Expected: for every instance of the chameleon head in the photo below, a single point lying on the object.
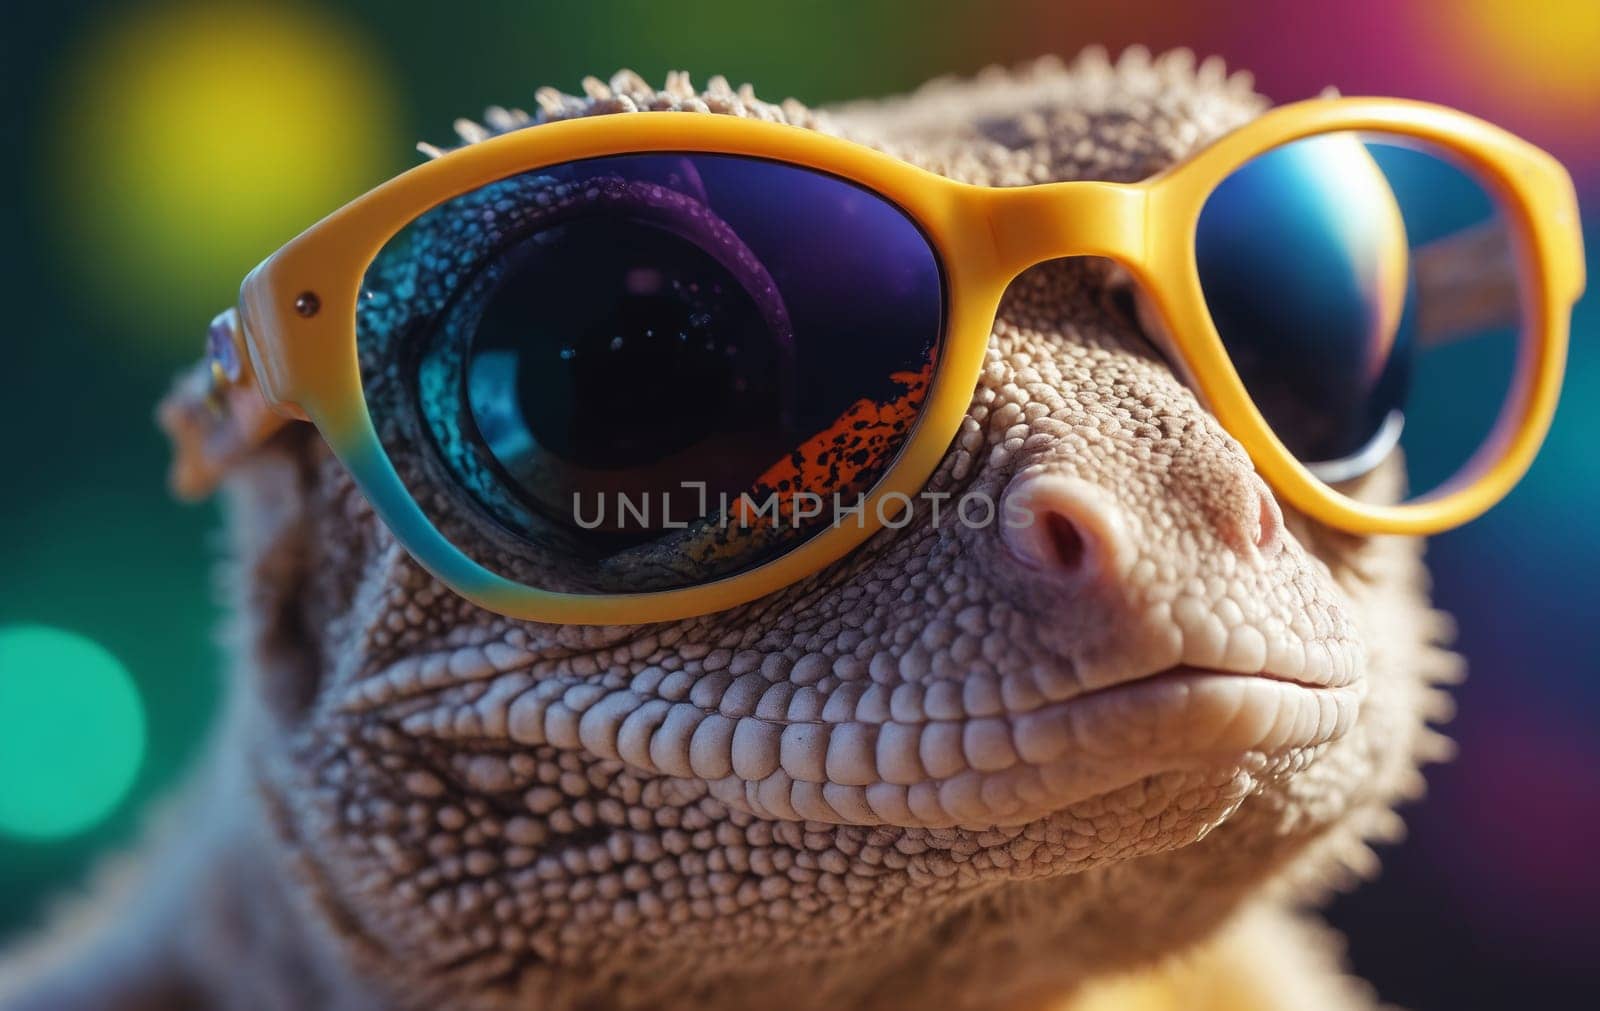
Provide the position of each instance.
(968, 758)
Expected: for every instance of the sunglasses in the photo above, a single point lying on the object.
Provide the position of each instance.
(638, 368)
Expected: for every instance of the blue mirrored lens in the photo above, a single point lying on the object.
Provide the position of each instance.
(1330, 266)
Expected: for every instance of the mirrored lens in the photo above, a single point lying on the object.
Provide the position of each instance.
(1366, 291)
(648, 371)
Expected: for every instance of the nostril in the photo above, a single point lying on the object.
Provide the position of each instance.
(1065, 541)
(1066, 526)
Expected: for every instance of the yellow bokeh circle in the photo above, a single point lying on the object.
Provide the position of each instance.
(195, 139)
(1547, 54)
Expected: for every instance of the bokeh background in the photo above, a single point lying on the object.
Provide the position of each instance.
(156, 151)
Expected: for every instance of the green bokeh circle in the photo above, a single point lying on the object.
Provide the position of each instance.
(72, 732)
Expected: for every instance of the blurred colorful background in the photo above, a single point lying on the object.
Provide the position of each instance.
(157, 151)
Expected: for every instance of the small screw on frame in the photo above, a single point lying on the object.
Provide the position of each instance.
(307, 304)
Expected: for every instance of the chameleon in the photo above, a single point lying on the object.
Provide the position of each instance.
(976, 768)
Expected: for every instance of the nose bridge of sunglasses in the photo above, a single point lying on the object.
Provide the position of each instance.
(1032, 224)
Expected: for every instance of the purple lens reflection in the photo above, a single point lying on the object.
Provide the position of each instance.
(673, 329)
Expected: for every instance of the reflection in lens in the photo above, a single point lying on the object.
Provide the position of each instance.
(1364, 290)
(612, 360)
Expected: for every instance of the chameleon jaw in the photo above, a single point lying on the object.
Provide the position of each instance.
(919, 756)
(1023, 768)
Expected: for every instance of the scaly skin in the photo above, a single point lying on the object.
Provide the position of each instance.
(939, 771)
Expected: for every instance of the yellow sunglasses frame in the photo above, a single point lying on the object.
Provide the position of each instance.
(297, 314)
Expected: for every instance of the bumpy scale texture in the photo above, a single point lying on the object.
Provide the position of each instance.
(904, 782)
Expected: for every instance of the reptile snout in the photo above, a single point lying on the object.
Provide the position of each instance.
(1078, 532)
(1066, 528)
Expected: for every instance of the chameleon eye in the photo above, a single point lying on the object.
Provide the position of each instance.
(603, 356)
(1364, 290)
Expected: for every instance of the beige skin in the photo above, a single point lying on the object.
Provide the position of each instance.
(976, 768)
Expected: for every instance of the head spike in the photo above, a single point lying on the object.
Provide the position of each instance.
(469, 131)
(550, 101)
(679, 85)
(626, 82)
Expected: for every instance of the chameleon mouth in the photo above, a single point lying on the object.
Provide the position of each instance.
(1021, 768)
(912, 755)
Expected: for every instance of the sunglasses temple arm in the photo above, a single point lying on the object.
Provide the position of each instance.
(215, 415)
(1466, 284)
